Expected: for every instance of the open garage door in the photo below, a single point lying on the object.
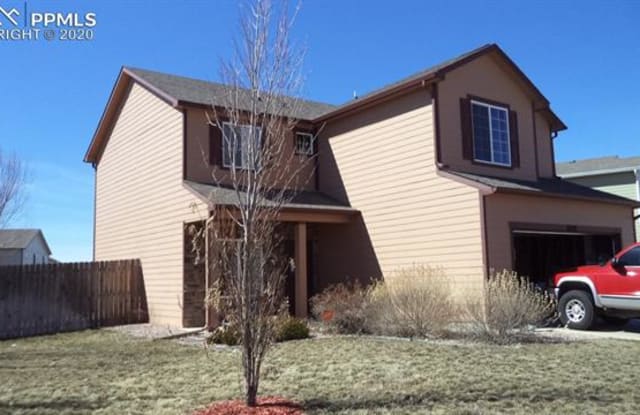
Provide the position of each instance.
(539, 255)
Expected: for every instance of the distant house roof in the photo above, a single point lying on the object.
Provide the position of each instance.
(595, 166)
(551, 187)
(20, 238)
(308, 200)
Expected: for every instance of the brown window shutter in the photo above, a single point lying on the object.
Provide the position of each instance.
(215, 146)
(467, 133)
(513, 138)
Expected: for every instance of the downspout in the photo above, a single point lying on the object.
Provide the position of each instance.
(636, 215)
(95, 199)
(554, 134)
(636, 171)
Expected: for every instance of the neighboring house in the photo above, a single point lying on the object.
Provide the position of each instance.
(619, 176)
(23, 247)
(450, 167)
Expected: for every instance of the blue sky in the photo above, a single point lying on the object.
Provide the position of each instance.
(584, 56)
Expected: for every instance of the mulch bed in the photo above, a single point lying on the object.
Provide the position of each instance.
(266, 406)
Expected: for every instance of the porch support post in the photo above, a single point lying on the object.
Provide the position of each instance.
(301, 269)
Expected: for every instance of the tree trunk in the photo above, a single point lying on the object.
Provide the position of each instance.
(252, 394)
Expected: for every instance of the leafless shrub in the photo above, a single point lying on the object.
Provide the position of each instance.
(414, 302)
(344, 308)
(511, 308)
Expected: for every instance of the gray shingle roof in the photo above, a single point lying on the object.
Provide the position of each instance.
(299, 199)
(552, 187)
(18, 238)
(592, 166)
(201, 92)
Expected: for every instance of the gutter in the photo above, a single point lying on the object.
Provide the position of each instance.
(483, 188)
(488, 190)
(636, 171)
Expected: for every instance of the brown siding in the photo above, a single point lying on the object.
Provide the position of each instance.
(503, 209)
(486, 78)
(382, 161)
(545, 150)
(198, 163)
(141, 203)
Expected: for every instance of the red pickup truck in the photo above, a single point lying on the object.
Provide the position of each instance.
(611, 290)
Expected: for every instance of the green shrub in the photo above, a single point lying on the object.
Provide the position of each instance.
(343, 307)
(414, 302)
(225, 334)
(511, 308)
(291, 328)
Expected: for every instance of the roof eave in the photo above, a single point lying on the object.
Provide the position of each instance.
(360, 104)
(484, 189)
(111, 110)
(627, 202)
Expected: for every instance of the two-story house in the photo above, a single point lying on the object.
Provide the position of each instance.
(451, 167)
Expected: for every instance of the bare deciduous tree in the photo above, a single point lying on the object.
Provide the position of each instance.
(12, 183)
(245, 265)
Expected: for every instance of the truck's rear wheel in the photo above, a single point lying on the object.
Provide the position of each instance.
(576, 310)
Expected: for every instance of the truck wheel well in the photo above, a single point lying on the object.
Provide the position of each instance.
(574, 285)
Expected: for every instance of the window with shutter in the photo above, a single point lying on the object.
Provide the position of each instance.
(215, 146)
(241, 146)
(490, 133)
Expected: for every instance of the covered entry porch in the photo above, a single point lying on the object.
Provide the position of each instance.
(299, 222)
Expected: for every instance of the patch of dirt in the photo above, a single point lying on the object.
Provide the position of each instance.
(266, 406)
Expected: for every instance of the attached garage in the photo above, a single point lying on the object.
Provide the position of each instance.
(541, 252)
(538, 236)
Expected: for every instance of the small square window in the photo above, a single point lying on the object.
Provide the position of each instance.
(305, 144)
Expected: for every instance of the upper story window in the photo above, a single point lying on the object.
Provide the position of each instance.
(491, 142)
(241, 146)
(489, 133)
(305, 144)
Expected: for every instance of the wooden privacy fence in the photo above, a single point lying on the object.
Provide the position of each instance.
(52, 298)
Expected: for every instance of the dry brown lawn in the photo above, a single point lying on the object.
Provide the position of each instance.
(103, 372)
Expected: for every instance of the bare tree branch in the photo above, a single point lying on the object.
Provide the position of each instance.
(13, 176)
(245, 261)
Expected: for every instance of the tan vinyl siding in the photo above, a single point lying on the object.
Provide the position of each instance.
(621, 184)
(503, 209)
(382, 162)
(491, 79)
(141, 203)
(200, 170)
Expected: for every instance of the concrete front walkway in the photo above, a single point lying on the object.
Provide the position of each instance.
(153, 331)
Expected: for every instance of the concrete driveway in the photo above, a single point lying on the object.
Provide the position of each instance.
(600, 332)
